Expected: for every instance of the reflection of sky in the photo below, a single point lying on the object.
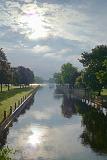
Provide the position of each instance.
(43, 134)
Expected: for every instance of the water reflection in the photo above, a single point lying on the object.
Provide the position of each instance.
(94, 122)
(36, 136)
(68, 106)
(43, 133)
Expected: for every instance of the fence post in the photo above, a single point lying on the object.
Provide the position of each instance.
(21, 100)
(4, 115)
(15, 106)
(10, 109)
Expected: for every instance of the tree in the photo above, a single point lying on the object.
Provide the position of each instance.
(95, 68)
(69, 74)
(5, 71)
(80, 82)
(23, 75)
(57, 78)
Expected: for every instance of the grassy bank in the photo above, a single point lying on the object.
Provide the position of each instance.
(8, 98)
(104, 92)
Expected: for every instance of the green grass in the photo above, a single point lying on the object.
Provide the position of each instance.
(8, 98)
(5, 88)
(104, 92)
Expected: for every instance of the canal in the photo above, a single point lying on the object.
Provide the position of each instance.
(57, 127)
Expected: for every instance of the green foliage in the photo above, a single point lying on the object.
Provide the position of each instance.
(5, 69)
(57, 78)
(6, 153)
(2, 55)
(23, 75)
(18, 75)
(67, 75)
(78, 82)
(95, 63)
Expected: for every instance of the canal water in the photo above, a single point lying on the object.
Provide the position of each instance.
(57, 127)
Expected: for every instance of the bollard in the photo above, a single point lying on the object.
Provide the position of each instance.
(4, 115)
(15, 106)
(21, 100)
(10, 109)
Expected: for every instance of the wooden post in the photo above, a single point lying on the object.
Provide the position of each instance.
(10, 109)
(4, 115)
(15, 105)
(21, 100)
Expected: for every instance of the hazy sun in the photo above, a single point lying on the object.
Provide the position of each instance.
(33, 23)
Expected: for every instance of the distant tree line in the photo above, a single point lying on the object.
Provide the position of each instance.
(94, 74)
(39, 79)
(13, 75)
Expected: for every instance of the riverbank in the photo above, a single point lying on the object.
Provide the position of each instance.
(9, 98)
(55, 120)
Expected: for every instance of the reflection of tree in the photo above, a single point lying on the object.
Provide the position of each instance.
(58, 90)
(68, 107)
(57, 93)
(95, 129)
(3, 137)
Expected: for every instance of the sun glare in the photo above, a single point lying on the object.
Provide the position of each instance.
(33, 23)
(37, 137)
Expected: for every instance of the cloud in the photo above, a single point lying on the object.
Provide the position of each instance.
(38, 20)
(41, 49)
(70, 20)
(43, 20)
(49, 33)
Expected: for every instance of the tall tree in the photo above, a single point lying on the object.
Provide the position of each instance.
(23, 75)
(4, 69)
(57, 78)
(95, 67)
(69, 74)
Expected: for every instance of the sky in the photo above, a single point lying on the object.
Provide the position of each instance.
(44, 34)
